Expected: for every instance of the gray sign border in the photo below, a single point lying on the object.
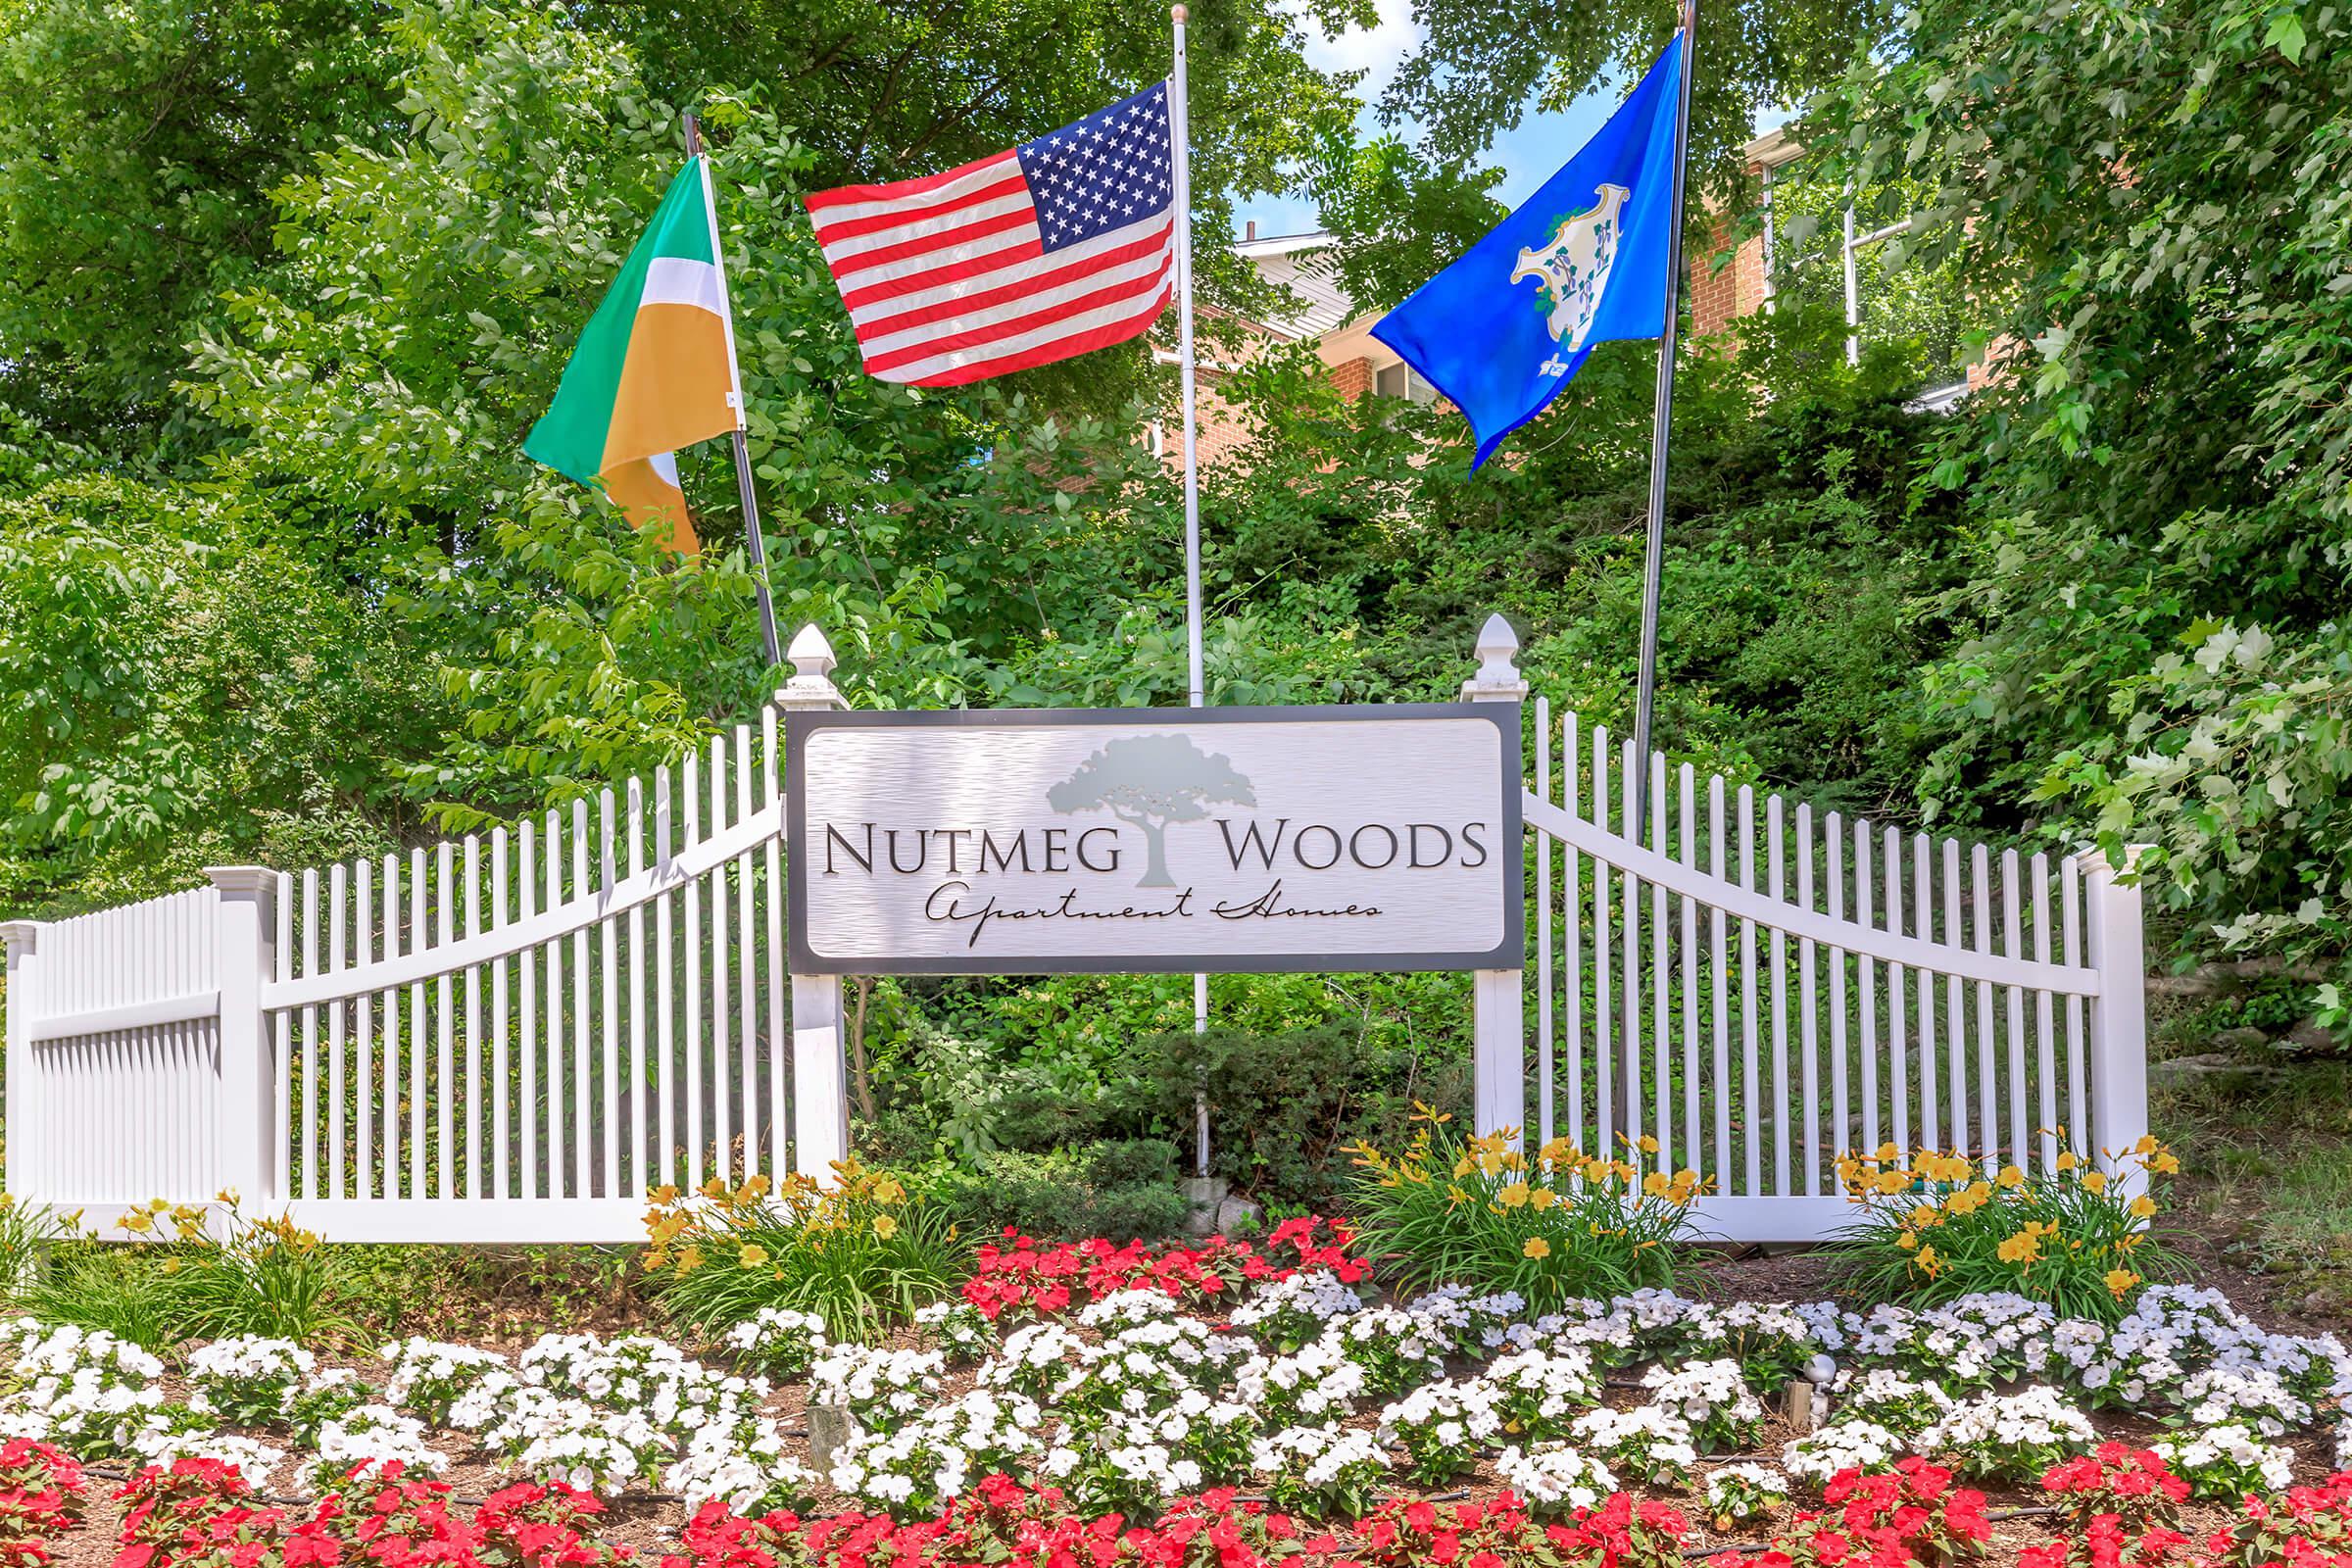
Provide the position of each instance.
(1509, 858)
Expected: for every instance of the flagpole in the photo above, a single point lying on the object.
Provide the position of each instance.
(1180, 137)
(754, 542)
(1662, 416)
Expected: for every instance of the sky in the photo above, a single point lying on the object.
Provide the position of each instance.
(1527, 154)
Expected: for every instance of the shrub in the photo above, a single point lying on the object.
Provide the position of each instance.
(106, 1287)
(863, 1255)
(41, 1497)
(1282, 1104)
(1550, 1226)
(1120, 1188)
(1933, 1229)
(2134, 1486)
(1912, 1514)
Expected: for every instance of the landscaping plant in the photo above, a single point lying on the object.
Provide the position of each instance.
(865, 1255)
(1934, 1228)
(1550, 1226)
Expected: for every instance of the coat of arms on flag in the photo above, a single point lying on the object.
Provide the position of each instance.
(1595, 239)
(1052, 249)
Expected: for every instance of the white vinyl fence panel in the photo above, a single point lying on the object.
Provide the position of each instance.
(1761, 991)
(520, 1036)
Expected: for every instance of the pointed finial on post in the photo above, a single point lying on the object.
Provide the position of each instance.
(812, 685)
(1498, 679)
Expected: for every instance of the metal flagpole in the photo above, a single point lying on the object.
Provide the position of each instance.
(754, 542)
(1662, 416)
(1180, 136)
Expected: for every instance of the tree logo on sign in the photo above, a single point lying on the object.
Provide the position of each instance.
(1151, 781)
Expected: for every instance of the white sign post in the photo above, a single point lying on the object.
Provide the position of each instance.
(1062, 841)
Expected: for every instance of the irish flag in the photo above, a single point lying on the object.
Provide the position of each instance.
(655, 370)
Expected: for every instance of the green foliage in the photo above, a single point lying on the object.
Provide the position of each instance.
(120, 1287)
(1282, 1107)
(196, 1278)
(1123, 1189)
(1930, 1228)
(2151, 634)
(863, 1254)
(1552, 1226)
(179, 687)
(139, 145)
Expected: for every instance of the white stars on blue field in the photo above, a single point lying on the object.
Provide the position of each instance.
(1112, 169)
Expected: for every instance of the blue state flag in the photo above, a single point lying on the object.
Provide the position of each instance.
(1582, 262)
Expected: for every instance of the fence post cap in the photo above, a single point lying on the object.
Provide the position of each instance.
(243, 881)
(813, 662)
(2094, 859)
(1498, 679)
(22, 936)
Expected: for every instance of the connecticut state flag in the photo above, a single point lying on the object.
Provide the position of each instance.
(1582, 262)
(655, 369)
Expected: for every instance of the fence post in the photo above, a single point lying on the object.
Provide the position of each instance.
(2119, 1031)
(245, 955)
(1498, 1029)
(820, 1099)
(24, 939)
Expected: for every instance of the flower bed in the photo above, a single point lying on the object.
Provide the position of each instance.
(1115, 1408)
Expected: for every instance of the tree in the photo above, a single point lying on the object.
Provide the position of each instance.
(1150, 781)
(140, 140)
(2155, 643)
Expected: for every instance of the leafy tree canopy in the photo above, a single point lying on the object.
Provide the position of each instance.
(2155, 642)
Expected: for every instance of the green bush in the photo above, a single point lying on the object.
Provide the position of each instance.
(1283, 1107)
(119, 1287)
(865, 1255)
(1123, 1189)
(1551, 1226)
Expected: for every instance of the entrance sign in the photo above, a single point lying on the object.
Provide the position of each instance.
(1084, 840)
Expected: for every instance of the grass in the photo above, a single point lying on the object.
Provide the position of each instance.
(2268, 1164)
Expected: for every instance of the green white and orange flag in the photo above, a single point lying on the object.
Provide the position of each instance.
(655, 369)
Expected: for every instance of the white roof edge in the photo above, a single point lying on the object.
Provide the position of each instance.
(1773, 149)
(1281, 244)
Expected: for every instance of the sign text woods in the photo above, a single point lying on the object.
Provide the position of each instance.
(1129, 839)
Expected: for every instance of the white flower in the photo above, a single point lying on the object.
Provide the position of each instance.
(429, 1377)
(1645, 1442)
(2016, 1435)
(1887, 1399)
(778, 1341)
(1737, 1491)
(374, 1434)
(2229, 1462)
(1554, 1478)
(1841, 1445)
(745, 1468)
(1711, 1398)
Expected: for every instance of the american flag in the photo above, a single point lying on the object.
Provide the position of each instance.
(1059, 247)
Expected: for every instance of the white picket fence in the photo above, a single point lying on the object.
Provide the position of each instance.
(517, 1037)
(1761, 991)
